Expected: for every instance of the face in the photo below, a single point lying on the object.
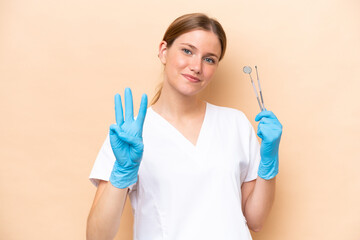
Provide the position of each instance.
(191, 61)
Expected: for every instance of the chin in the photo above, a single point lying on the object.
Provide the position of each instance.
(190, 91)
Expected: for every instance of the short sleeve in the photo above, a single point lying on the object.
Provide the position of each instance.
(254, 155)
(104, 164)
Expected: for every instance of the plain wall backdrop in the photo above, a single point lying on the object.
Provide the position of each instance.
(61, 63)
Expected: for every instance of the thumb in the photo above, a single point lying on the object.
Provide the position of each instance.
(131, 140)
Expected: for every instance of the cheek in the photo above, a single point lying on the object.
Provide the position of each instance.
(177, 61)
(180, 63)
(210, 71)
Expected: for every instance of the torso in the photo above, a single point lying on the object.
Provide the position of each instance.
(204, 179)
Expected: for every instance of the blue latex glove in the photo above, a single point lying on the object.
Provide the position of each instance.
(269, 130)
(126, 141)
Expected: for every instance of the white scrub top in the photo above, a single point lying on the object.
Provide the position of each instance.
(187, 191)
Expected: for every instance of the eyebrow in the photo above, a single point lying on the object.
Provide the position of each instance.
(193, 47)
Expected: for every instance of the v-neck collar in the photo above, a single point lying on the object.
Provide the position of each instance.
(183, 138)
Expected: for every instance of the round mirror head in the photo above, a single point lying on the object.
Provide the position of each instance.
(247, 69)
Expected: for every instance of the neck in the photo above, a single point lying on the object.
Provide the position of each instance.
(174, 105)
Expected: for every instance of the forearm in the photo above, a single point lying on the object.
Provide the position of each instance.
(259, 203)
(104, 218)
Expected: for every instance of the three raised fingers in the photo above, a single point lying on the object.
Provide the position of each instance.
(129, 108)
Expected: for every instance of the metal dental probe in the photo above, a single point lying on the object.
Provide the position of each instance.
(261, 96)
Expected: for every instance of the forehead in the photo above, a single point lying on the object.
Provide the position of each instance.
(206, 41)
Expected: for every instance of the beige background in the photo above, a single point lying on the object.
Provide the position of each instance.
(61, 62)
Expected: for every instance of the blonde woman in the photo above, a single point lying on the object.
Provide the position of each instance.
(193, 170)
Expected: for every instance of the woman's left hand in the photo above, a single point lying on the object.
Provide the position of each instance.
(269, 130)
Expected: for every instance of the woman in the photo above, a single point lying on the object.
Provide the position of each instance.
(193, 170)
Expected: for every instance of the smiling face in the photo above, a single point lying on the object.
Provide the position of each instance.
(191, 61)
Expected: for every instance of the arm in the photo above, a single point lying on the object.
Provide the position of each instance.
(127, 145)
(258, 195)
(257, 200)
(105, 214)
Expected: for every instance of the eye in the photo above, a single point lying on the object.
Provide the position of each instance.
(210, 60)
(187, 51)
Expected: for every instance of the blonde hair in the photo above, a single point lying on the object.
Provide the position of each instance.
(187, 23)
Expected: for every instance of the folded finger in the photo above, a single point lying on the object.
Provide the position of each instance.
(265, 120)
(267, 114)
(259, 132)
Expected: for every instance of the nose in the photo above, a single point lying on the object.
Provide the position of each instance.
(195, 65)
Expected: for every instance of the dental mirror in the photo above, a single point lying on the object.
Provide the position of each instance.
(247, 69)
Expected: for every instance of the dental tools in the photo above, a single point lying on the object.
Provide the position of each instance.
(248, 70)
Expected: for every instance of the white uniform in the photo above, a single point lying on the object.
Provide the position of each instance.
(187, 192)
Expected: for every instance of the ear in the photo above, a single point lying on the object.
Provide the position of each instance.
(162, 51)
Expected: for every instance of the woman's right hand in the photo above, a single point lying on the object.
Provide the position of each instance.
(126, 141)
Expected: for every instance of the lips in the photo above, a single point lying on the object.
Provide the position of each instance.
(191, 78)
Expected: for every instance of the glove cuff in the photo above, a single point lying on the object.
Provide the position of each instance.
(123, 179)
(269, 168)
